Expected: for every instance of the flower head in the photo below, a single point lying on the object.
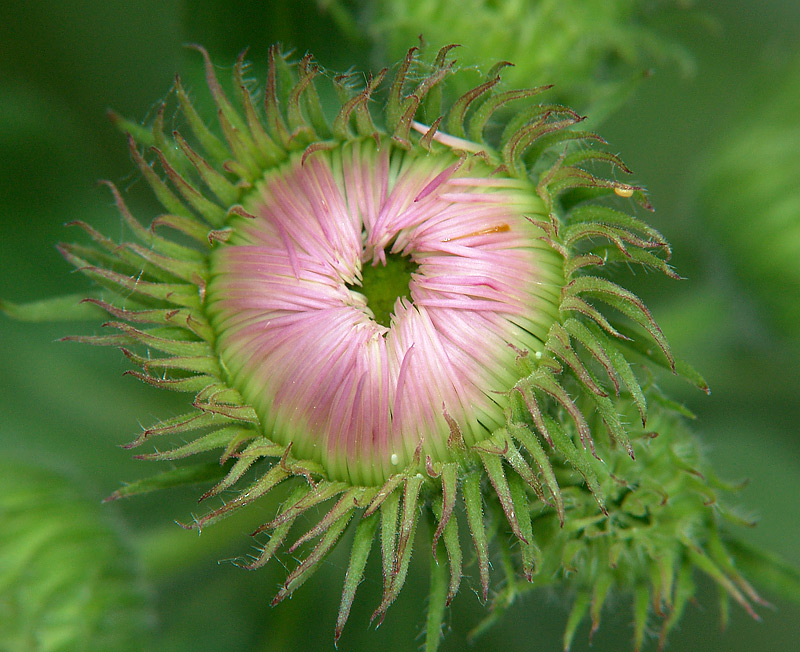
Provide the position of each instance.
(378, 318)
(361, 396)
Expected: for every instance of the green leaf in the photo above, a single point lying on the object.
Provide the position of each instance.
(67, 579)
(766, 569)
(578, 612)
(179, 477)
(66, 308)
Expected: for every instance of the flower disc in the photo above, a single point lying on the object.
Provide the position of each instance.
(302, 344)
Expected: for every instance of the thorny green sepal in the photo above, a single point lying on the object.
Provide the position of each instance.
(473, 502)
(280, 532)
(362, 543)
(312, 562)
(453, 547)
(437, 603)
(580, 607)
(766, 569)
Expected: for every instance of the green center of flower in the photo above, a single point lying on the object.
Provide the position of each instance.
(383, 285)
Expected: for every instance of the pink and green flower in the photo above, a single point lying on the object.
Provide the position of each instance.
(291, 300)
(392, 316)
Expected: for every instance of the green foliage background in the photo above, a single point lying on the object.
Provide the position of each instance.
(66, 407)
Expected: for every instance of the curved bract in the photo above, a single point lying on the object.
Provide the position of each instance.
(495, 361)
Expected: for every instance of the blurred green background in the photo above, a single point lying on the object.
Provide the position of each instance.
(693, 140)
